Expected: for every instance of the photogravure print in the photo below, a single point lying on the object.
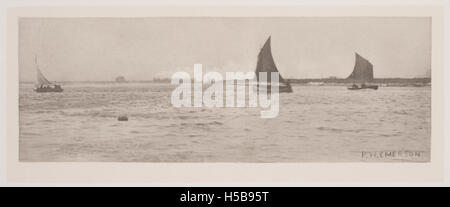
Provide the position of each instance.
(218, 89)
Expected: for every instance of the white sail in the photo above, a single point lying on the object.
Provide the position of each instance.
(41, 80)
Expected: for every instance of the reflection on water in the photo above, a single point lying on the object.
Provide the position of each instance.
(315, 124)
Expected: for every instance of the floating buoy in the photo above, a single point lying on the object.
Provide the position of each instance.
(122, 118)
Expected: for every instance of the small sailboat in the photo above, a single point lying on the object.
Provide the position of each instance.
(267, 64)
(43, 85)
(362, 74)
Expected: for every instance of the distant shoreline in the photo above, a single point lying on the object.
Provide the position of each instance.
(375, 80)
(326, 81)
(395, 82)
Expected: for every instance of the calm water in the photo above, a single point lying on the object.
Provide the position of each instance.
(315, 124)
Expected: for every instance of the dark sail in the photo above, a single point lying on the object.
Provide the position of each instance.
(363, 70)
(266, 63)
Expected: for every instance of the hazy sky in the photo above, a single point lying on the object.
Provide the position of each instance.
(79, 49)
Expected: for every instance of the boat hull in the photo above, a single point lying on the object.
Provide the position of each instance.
(48, 90)
(373, 87)
(285, 89)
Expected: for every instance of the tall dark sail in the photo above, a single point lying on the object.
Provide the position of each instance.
(363, 70)
(266, 63)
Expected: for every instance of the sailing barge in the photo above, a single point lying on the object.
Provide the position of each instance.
(362, 74)
(266, 64)
(43, 85)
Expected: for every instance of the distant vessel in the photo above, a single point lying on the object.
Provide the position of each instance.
(43, 85)
(267, 64)
(120, 79)
(362, 74)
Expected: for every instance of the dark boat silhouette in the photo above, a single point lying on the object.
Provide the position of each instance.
(362, 74)
(267, 64)
(121, 79)
(43, 85)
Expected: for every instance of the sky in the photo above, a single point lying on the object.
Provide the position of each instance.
(100, 49)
